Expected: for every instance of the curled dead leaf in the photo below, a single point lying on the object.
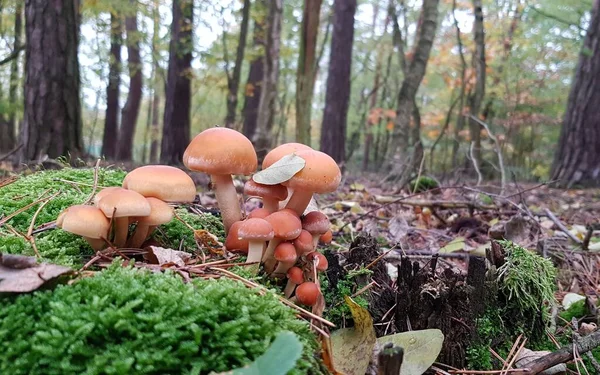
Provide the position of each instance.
(280, 171)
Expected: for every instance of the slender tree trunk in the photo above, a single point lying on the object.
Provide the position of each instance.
(110, 138)
(176, 125)
(398, 154)
(460, 120)
(255, 77)
(479, 66)
(337, 97)
(52, 122)
(305, 80)
(233, 81)
(154, 130)
(577, 161)
(268, 99)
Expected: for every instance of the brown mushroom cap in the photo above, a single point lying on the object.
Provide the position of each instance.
(286, 224)
(285, 252)
(323, 264)
(307, 293)
(127, 203)
(85, 221)
(221, 151)
(326, 237)
(104, 192)
(304, 243)
(160, 213)
(316, 222)
(296, 275)
(281, 151)
(256, 230)
(233, 242)
(254, 189)
(260, 213)
(167, 183)
(321, 173)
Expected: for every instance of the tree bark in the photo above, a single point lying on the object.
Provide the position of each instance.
(577, 161)
(176, 126)
(268, 98)
(131, 110)
(154, 131)
(479, 66)
(460, 120)
(111, 121)
(255, 77)
(305, 80)
(398, 154)
(337, 96)
(52, 122)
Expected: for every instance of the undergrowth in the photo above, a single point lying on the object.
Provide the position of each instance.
(337, 310)
(127, 321)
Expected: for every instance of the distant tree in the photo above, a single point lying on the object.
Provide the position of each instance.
(256, 73)
(307, 59)
(233, 78)
(479, 65)
(52, 122)
(176, 123)
(156, 70)
(111, 124)
(333, 130)
(131, 110)
(577, 160)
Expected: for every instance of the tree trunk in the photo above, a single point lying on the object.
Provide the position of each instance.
(233, 81)
(460, 120)
(111, 124)
(577, 161)
(477, 96)
(255, 77)
(268, 98)
(154, 131)
(52, 122)
(398, 154)
(176, 126)
(337, 97)
(305, 80)
(131, 110)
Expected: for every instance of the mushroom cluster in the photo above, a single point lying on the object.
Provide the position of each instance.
(280, 235)
(143, 200)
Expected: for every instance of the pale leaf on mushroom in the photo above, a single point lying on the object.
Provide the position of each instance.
(280, 171)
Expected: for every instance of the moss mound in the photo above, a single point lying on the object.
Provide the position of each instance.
(127, 321)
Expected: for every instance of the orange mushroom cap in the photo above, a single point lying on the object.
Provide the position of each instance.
(285, 252)
(316, 222)
(321, 173)
(304, 243)
(254, 189)
(233, 242)
(260, 213)
(256, 229)
(322, 264)
(281, 151)
(326, 237)
(286, 224)
(296, 275)
(307, 293)
(164, 182)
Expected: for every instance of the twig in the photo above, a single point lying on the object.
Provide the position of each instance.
(561, 226)
(498, 150)
(29, 235)
(577, 337)
(23, 209)
(475, 163)
(95, 186)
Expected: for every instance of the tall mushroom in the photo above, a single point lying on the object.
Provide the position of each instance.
(86, 221)
(123, 204)
(164, 182)
(271, 194)
(320, 175)
(222, 152)
(161, 213)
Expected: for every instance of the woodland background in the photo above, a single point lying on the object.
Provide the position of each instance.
(452, 88)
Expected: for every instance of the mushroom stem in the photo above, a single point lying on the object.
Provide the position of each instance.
(255, 249)
(268, 257)
(282, 268)
(139, 235)
(96, 243)
(299, 201)
(121, 231)
(271, 204)
(315, 241)
(227, 199)
(289, 288)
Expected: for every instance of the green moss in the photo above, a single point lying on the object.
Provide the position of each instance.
(175, 231)
(423, 183)
(489, 327)
(576, 310)
(337, 310)
(127, 321)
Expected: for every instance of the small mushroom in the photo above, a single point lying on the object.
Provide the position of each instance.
(104, 192)
(233, 242)
(271, 194)
(285, 254)
(287, 226)
(295, 277)
(161, 213)
(257, 232)
(304, 243)
(260, 213)
(123, 204)
(164, 182)
(322, 263)
(307, 293)
(222, 152)
(317, 223)
(326, 237)
(86, 221)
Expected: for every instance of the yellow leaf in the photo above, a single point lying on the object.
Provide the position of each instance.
(456, 244)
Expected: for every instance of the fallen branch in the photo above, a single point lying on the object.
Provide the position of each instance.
(497, 147)
(13, 55)
(562, 227)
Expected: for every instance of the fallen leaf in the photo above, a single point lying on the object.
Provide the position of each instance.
(209, 241)
(17, 261)
(280, 171)
(480, 250)
(161, 256)
(456, 244)
(421, 349)
(24, 279)
(326, 355)
(399, 227)
(352, 347)
(594, 247)
(570, 298)
(279, 359)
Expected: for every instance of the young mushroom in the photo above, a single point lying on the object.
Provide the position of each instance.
(257, 232)
(271, 194)
(161, 213)
(304, 243)
(233, 242)
(321, 261)
(317, 223)
(287, 226)
(86, 221)
(285, 254)
(166, 183)
(295, 277)
(222, 152)
(123, 204)
(281, 151)
(104, 192)
(307, 293)
(326, 237)
(320, 175)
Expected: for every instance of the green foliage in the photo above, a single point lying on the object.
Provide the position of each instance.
(127, 321)
(576, 310)
(489, 327)
(337, 310)
(423, 183)
(176, 231)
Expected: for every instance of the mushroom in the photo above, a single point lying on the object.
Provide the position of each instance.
(317, 223)
(304, 243)
(322, 263)
(326, 237)
(221, 152)
(260, 213)
(233, 242)
(257, 232)
(286, 226)
(86, 221)
(281, 151)
(285, 254)
(102, 193)
(320, 175)
(166, 183)
(295, 277)
(123, 204)
(160, 213)
(307, 293)
(271, 194)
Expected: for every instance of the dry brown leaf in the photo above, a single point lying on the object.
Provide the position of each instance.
(162, 256)
(24, 278)
(209, 241)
